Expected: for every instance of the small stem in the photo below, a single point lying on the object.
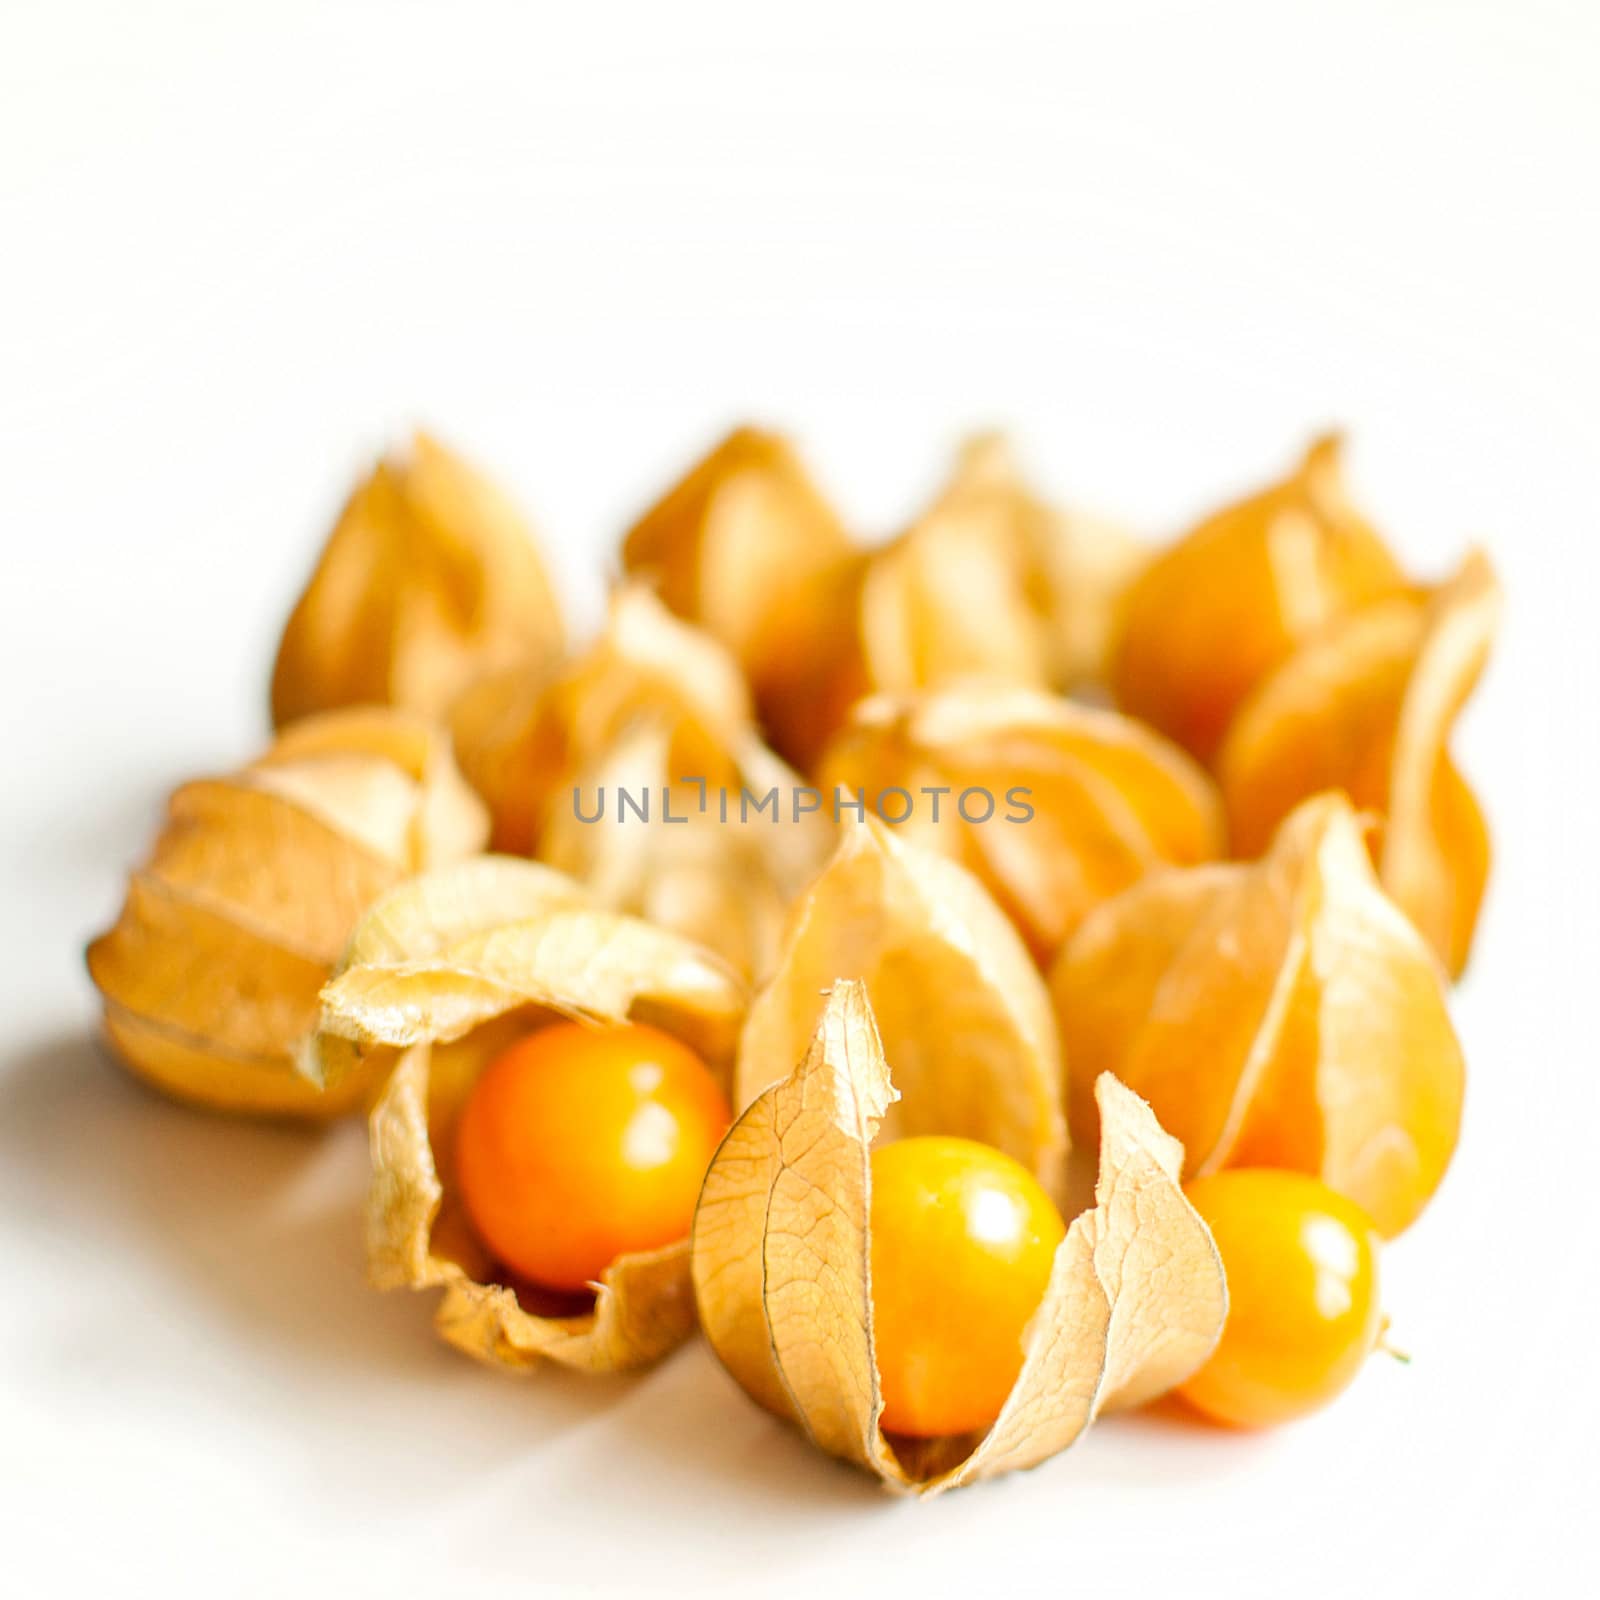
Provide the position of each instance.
(1393, 1353)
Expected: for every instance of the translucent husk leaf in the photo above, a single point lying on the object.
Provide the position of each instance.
(705, 864)
(1368, 706)
(1110, 800)
(949, 598)
(811, 665)
(430, 577)
(576, 962)
(450, 969)
(420, 920)
(1282, 1014)
(1212, 615)
(525, 736)
(729, 545)
(962, 1008)
(782, 1271)
(1078, 566)
(655, 707)
(745, 547)
(448, 824)
(211, 972)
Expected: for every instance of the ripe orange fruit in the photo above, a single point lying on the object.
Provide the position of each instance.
(581, 1144)
(1303, 1314)
(963, 1239)
(1281, 1014)
(1208, 619)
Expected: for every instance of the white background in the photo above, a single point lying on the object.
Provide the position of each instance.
(241, 246)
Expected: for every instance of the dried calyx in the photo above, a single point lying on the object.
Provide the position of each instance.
(1281, 1014)
(1368, 707)
(630, 768)
(430, 578)
(782, 1271)
(211, 973)
(1054, 805)
(440, 977)
(963, 1010)
(988, 582)
(1212, 615)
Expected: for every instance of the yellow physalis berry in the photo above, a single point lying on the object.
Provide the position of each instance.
(581, 1144)
(1303, 1316)
(962, 1242)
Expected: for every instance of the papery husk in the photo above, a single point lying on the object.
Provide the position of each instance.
(950, 600)
(1078, 567)
(430, 578)
(782, 1271)
(1212, 615)
(729, 545)
(811, 666)
(418, 922)
(419, 1238)
(1282, 1014)
(450, 970)
(963, 1010)
(705, 863)
(447, 823)
(525, 735)
(1368, 706)
(655, 706)
(1111, 801)
(746, 547)
(211, 973)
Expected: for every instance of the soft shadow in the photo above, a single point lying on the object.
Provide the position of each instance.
(685, 1439)
(1164, 1443)
(248, 1237)
(683, 1427)
(249, 1234)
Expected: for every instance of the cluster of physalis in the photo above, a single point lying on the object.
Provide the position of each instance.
(950, 1130)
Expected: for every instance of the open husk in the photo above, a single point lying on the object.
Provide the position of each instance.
(782, 1271)
(1368, 706)
(964, 1012)
(1281, 1014)
(210, 975)
(656, 711)
(1208, 618)
(430, 578)
(1054, 805)
(448, 971)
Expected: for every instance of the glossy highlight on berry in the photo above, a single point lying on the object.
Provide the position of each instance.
(963, 1239)
(580, 1144)
(1303, 1313)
